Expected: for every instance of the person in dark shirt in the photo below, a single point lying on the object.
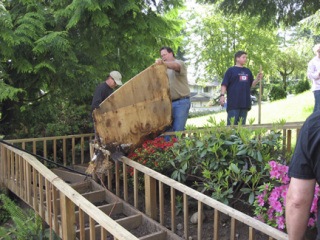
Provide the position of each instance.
(237, 83)
(304, 171)
(104, 89)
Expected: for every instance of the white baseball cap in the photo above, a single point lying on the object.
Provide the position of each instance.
(116, 77)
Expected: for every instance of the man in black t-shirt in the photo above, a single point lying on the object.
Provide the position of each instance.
(236, 83)
(104, 90)
(304, 171)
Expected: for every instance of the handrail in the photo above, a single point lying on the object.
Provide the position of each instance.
(77, 144)
(80, 141)
(50, 138)
(151, 206)
(24, 175)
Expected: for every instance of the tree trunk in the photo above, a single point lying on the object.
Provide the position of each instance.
(284, 80)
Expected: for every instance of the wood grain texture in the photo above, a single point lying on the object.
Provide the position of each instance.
(138, 110)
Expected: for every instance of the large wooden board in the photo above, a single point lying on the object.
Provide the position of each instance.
(139, 110)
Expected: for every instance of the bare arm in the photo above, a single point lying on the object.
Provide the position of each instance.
(298, 202)
(170, 64)
(223, 91)
(258, 79)
(173, 65)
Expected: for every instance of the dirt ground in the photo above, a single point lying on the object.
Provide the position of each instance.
(242, 230)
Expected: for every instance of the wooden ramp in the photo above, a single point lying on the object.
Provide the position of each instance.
(138, 110)
(126, 215)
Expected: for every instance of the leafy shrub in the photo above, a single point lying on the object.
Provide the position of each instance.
(277, 92)
(302, 86)
(4, 214)
(25, 224)
(52, 119)
(225, 162)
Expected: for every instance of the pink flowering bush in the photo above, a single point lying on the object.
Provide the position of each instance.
(270, 202)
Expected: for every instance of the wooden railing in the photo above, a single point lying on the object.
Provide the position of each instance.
(78, 145)
(18, 170)
(44, 191)
(290, 132)
(67, 150)
(155, 186)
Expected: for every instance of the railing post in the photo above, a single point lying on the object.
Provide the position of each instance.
(150, 196)
(173, 208)
(82, 149)
(233, 229)
(284, 141)
(67, 217)
(73, 150)
(45, 150)
(216, 224)
(64, 151)
(251, 233)
(289, 140)
(2, 166)
(200, 219)
(186, 215)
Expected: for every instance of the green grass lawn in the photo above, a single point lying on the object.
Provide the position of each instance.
(293, 109)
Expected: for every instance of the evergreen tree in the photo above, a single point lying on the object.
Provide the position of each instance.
(289, 12)
(54, 53)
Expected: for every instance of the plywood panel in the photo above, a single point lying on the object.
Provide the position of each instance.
(138, 110)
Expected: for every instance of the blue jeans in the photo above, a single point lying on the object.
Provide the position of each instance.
(237, 114)
(316, 100)
(180, 112)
